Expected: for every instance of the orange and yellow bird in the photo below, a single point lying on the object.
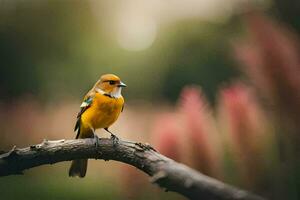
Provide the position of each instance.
(100, 108)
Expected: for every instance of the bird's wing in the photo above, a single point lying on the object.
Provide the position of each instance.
(87, 101)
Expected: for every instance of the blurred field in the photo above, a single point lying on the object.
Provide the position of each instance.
(212, 84)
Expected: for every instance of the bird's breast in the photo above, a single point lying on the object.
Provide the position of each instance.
(103, 112)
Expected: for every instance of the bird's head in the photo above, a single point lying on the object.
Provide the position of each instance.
(110, 84)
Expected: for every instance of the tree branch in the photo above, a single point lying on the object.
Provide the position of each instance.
(165, 172)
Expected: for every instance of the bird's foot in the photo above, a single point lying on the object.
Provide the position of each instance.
(114, 138)
(96, 138)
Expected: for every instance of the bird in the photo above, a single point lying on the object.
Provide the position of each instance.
(100, 108)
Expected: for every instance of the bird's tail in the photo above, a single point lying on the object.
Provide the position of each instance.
(78, 168)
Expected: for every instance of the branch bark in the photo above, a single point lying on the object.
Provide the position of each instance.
(165, 172)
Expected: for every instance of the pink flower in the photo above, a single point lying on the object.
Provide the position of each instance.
(271, 56)
(165, 136)
(200, 131)
(245, 127)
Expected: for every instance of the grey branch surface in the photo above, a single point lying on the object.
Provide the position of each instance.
(165, 172)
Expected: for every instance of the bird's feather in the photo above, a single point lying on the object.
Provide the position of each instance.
(87, 101)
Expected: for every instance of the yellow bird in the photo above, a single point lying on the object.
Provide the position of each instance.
(100, 108)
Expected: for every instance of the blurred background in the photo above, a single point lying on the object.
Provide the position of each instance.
(213, 84)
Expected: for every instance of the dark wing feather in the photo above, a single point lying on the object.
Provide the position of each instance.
(87, 101)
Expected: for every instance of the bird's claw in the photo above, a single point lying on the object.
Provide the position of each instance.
(114, 138)
(96, 138)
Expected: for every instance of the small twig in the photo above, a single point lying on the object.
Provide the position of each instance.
(165, 172)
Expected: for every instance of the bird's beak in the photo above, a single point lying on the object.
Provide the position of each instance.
(122, 84)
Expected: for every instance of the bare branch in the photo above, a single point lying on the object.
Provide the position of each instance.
(165, 172)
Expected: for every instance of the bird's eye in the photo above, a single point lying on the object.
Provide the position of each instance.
(112, 82)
